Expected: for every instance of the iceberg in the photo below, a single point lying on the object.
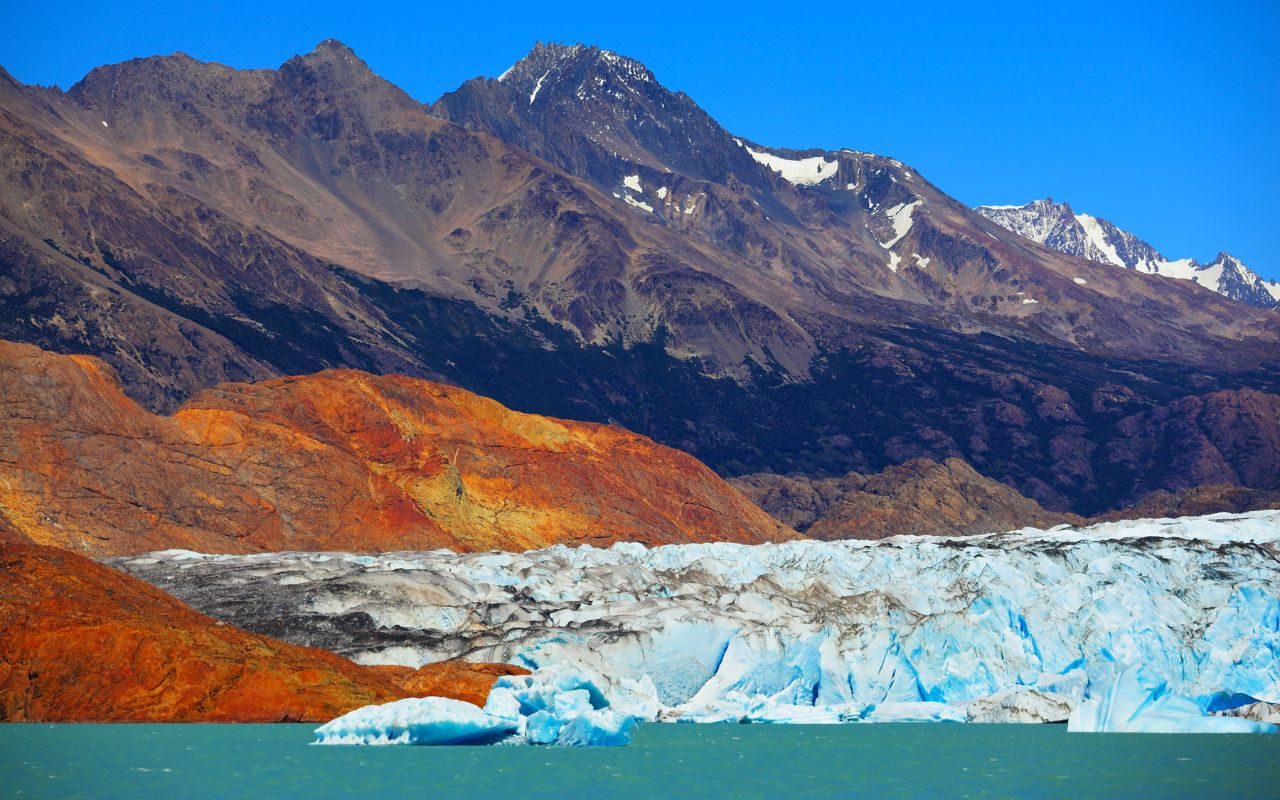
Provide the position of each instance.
(423, 721)
(1023, 626)
(553, 706)
(1137, 701)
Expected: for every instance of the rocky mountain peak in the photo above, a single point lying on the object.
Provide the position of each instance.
(598, 114)
(331, 63)
(572, 60)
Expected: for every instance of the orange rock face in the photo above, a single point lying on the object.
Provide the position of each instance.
(339, 460)
(82, 642)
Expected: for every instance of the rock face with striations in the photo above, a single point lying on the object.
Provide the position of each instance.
(340, 460)
(81, 642)
(917, 497)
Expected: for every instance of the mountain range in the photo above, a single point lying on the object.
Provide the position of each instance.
(574, 239)
(1058, 226)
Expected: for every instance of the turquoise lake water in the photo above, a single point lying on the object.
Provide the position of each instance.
(664, 761)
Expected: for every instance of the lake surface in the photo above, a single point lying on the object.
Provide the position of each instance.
(664, 761)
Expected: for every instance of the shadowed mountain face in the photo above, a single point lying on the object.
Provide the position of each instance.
(586, 243)
(919, 497)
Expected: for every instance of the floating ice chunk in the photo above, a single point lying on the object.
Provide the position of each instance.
(639, 698)
(921, 711)
(542, 727)
(417, 720)
(632, 182)
(605, 727)
(552, 706)
(1138, 701)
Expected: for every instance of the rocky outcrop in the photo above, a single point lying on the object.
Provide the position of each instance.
(1197, 501)
(917, 497)
(81, 642)
(1225, 437)
(340, 460)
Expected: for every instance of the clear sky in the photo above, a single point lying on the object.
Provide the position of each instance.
(1163, 117)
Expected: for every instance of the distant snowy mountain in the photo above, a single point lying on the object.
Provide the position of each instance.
(1058, 227)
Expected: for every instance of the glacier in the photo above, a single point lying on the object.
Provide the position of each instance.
(553, 706)
(1024, 626)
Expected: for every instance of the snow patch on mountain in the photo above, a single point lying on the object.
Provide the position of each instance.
(631, 201)
(537, 87)
(900, 216)
(798, 171)
(1098, 239)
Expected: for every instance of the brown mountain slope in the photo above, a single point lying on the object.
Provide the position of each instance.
(918, 497)
(193, 224)
(339, 460)
(1197, 501)
(80, 642)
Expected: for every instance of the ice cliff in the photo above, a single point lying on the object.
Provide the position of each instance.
(1022, 626)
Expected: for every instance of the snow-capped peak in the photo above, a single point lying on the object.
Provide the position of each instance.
(1058, 227)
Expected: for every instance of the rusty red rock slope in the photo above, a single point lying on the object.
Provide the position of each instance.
(82, 642)
(339, 460)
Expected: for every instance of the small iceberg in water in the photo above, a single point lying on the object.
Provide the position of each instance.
(553, 706)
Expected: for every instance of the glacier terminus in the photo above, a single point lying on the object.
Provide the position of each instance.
(1160, 625)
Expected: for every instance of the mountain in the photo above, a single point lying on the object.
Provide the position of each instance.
(339, 460)
(1057, 226)
(578, 241)
(918, 497)
(1210, 498)
(81, 642)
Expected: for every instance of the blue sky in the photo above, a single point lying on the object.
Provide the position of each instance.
(1163, 117)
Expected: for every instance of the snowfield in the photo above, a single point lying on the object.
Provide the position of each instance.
(1164, 618)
